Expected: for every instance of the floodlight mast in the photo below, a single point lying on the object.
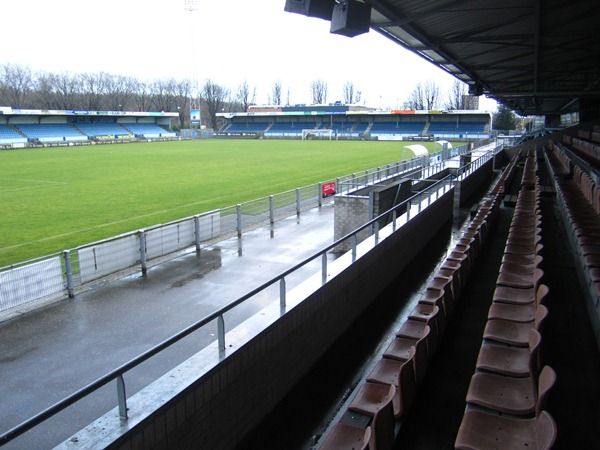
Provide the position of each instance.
(191, 7)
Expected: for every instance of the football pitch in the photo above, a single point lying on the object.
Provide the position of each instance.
(58, 198)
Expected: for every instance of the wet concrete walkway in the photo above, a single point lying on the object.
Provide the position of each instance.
(49, 353)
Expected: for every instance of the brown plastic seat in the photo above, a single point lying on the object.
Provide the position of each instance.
(415, 329)
(346, 437)
(398, 350)
(461, 258)
(401, 347)
(510, 395)
(589, 249)
(430, 314)
(433, 297)
(518, 313)
(518, 296)
(515, 239)
(525, 267)
(511, 361)
(521, 232)
(482, 430)
(514, 333)
(522, 258)
(397, 374)
(444, 283)
(375, 400)
(520, 280)
(515, 249)
(592, 260)
(451, 270)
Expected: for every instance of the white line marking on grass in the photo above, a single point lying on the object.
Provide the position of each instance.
(34, 181)
(40, 184)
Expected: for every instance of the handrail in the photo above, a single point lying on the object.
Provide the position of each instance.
(117, 374)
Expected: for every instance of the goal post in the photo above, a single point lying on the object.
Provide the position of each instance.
(323, 134)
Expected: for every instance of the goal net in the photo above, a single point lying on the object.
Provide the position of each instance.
(317, 134)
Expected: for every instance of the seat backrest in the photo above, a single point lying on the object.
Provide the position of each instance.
(545, 383)
(407, 381)
(421, 356)
(537, 276)
(541, 293)
(438, 320)
(382, 437)
(545, 431)
(541, 313)
(535, 339)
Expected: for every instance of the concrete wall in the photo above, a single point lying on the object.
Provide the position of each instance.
(353, 211)
(384, 198)
(214, 399)
(467, 187)
(350, 212)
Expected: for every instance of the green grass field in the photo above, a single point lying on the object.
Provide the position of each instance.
(58, 198)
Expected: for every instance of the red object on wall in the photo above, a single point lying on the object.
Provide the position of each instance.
(328, 189)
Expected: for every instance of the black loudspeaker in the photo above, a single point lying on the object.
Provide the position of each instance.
(475, 89)
(350, 18)
(323, 9)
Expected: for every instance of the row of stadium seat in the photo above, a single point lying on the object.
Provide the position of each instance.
(579, 197)
(77, 132)
(508, 392)
(390, 388)
(356, 129)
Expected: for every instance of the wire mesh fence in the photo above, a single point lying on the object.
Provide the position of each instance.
(57, 275)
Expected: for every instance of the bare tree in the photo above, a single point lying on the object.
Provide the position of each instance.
(245, 96)
(351, 93)
(16, 85)
(318, 89)
(183, 91)
(121, 92)
(142, 96)
(276, 93)
(44, 88)
(424, 96)
(456, 96)
(66, 89)
(93, 90)
(214, 95)
(163, 93)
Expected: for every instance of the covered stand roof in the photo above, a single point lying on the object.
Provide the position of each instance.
(537, 57)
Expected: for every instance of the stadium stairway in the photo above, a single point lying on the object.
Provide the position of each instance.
(433, 420)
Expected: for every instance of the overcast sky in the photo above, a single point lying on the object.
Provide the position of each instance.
(227, 41)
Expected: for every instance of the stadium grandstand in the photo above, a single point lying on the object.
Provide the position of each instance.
(33, 127)
(475, 325)
(337, 121)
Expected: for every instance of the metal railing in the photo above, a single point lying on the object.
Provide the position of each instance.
(53, 276)
(472, 166)
(414, 205)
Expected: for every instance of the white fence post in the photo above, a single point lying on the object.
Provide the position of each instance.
(143, 263)
(197, 232)
(69, 273)
(297, 201)
(238, 209)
